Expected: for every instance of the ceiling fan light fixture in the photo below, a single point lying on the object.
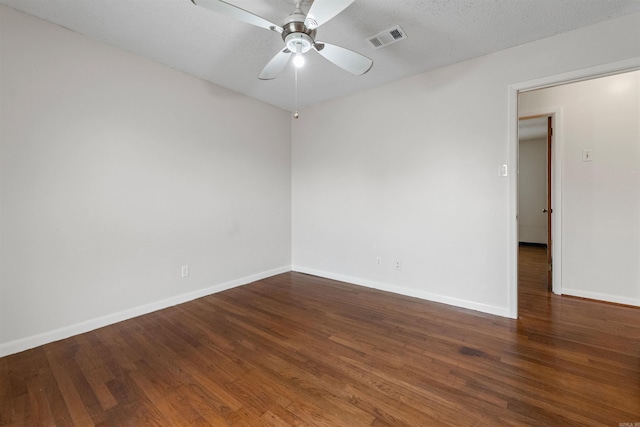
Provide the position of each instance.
(298, 60)
(298, 42)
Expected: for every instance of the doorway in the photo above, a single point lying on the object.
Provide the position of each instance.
(535, 136)
(572, 158)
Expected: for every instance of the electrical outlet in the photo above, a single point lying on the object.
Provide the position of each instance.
(398, 265)
(184, 272)
(379, 262)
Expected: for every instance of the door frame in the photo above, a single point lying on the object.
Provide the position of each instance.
(512, 123)
(554, 174)
(550, 175)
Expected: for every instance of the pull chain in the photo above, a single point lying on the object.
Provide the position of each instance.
(295, 114)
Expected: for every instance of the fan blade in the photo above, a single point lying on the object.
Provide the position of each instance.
(323, 10)
(346, 59)
(235, 12)
(276, 65)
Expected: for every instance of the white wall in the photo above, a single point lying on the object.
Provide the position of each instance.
(409, 172)
(115, 171)
(532, 190)
(601, 198)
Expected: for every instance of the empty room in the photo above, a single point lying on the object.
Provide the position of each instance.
(319, 213)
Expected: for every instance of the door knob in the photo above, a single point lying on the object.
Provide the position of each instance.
(545, 210)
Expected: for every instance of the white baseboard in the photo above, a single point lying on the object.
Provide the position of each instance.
(601, 297)
(457, 302)
(27, 343)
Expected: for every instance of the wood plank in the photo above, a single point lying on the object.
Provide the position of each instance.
(298, 350)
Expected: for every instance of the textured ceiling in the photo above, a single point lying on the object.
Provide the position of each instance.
(231, 54)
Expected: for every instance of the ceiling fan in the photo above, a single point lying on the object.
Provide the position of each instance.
(298, 33)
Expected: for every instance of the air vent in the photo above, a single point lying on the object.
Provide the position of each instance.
(387, 37)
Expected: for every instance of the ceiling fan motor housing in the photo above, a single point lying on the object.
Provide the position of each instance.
(297, 37)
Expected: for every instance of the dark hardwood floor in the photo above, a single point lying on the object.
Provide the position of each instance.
(300, 350)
